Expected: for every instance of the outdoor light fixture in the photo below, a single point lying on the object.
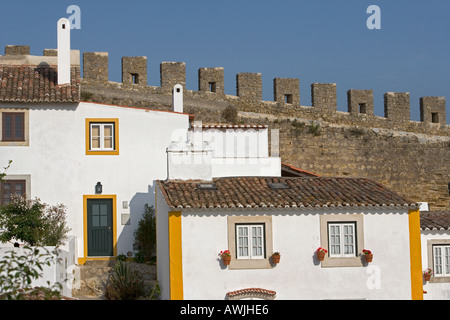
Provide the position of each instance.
(98, 188)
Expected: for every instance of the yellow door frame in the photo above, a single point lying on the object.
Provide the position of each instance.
(113, 197)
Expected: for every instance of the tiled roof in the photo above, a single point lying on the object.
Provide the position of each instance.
(303, 192)
(37, 84)
(435, 220)
(230, 126)
(258, 292)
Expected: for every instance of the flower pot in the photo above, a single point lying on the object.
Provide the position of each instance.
(427, 276)
(226, 260)
(276, 258)
(368, 257)
(320, 255)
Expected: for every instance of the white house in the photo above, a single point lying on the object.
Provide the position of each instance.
(99, 160)
(435, 238)
(62, 149)
(254, 217)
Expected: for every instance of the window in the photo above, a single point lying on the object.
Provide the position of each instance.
(288, 98)
(435, 117)
(341, 239)
(13, 126)
(134, 78)
(102, 136)
(11, 187)
(250, 241)
(343, 236)
(441, 260)
(362, 108)
(212, 87)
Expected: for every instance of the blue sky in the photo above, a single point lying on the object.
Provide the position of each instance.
(316, 41)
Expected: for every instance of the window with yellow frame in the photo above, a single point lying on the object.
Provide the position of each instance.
(102, 136)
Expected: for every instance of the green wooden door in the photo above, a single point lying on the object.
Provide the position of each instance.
(99, 227)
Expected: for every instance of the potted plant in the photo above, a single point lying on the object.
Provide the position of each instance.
(226, 257)
(276, 257)
(427, 274)
(320, 252)
(368, 255)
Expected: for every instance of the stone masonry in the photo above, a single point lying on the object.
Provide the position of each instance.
(134, 71)
(410, 157)
(324, 96)
(172, 73)
(249, 86)
(396, 106)
(12, 50)
(286, 90)
(211, 80)
(360, 102)
(432, 110)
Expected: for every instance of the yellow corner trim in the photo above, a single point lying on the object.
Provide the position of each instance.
(175, 256)
(85, 231)
(415, 255)
(116, 136)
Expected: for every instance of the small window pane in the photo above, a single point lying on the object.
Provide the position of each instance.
(108, 143)
(95, 132)
(96, 143)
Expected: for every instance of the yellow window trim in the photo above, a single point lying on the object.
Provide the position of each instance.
(82, 260)
(116, 135)
(175, 256)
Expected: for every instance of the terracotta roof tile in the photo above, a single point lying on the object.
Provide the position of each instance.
(435, 220)
(37, 84)
(302, 192)
(288, 170)
(268, 294)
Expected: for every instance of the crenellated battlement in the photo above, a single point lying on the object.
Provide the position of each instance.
(248, 97)
(286, 91)
(410, 157)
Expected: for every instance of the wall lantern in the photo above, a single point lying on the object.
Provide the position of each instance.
(98, 188)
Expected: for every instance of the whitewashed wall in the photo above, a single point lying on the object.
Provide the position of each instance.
(61, 172)
(62, 270)
(296, 236)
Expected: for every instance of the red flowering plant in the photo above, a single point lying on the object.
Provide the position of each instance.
(428, 271)
(225, 253)
(320, 249)
(365, 251)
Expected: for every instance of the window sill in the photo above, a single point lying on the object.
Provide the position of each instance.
(249, 264)
(336, 262)
(103, 153)
(435, 279)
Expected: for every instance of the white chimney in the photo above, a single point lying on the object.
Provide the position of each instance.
(63, 51)
(177, 98)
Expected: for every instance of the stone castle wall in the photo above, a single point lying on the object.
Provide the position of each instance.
(410, 157)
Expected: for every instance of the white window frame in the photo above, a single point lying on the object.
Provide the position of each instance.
(441, 260)
(341, 239)
(247, 241)
(102, 136)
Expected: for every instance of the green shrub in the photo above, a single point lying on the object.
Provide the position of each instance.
(145, 235)
(124, 284)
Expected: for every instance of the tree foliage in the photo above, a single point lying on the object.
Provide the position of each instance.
(33, 222)
(145, 234)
